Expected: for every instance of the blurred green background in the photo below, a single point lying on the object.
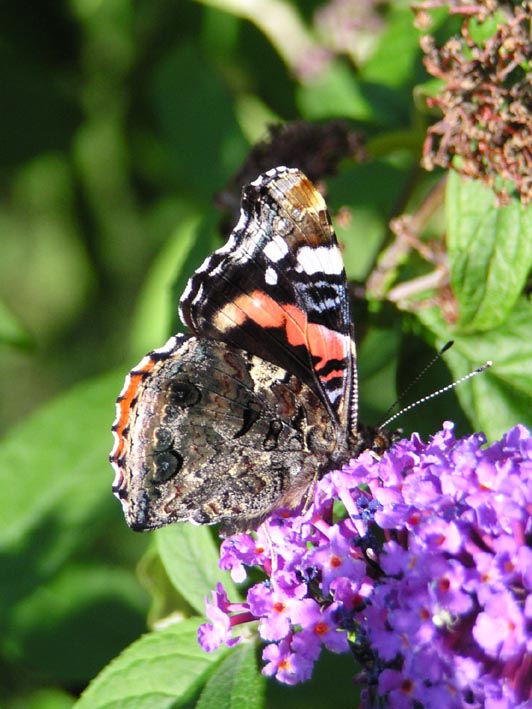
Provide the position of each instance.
(118, 127)
(120, 121)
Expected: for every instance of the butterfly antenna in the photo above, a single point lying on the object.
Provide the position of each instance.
(434, 394)
(447, 346)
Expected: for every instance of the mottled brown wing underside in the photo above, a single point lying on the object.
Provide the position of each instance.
(218, 435)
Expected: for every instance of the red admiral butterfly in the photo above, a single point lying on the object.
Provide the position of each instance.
(240, 418)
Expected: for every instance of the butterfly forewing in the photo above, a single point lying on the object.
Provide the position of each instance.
(278, 289)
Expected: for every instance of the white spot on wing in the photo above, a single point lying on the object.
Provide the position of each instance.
(322, 259)
(276, 249)
(328, 304)
(270, 276)
(334, 394)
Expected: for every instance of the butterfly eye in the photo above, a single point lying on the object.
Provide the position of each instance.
(182, 393)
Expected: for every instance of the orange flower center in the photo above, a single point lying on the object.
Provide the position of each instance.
(444, 584)
(321, 628)
(407, 686)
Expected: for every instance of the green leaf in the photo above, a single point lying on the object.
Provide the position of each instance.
(394, 59)
(236, 684)
(377, 351)
(76, 604)
(202, 137)
(54, 471)
(480, 32)
(375, 94)
(490, 253)
(367, 190)
(155, 310)
(42, 240)
(56, 483)
(43, 699)
(190, 557)
(161, 670)
(165, 600)
(500, 397)
(428, 89)
(12, 332)
(335, 93)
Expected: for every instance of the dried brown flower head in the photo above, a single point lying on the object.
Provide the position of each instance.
(486, 100)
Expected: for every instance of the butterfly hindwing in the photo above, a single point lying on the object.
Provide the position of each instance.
(209, 434)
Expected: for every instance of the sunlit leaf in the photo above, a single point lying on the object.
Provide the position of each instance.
(159, 671)
(191, 558)
(236, 683)
(54, 470)
(490, 252)
(500, 397)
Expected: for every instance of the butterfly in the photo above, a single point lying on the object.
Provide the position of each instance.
(240, 417)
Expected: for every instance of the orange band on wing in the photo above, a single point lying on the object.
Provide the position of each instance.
(322, 342)
(124, 403)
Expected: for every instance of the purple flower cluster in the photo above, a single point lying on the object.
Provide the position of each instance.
(419, 563)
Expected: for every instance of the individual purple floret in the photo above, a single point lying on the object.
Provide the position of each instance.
(419, 563)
